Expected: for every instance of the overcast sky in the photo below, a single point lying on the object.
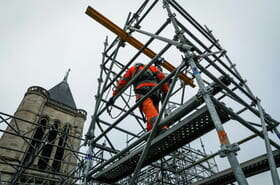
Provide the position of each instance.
(40, 40)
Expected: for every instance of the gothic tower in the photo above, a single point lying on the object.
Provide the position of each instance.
(43, 135)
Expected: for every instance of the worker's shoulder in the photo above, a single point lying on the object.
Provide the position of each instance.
(132, 68)
(154, 68)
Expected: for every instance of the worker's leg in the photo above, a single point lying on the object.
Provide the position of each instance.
(150, 111)
(156, 104)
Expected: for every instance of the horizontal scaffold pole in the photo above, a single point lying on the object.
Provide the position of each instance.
(133, 41)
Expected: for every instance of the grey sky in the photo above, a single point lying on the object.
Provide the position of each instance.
(40, 40)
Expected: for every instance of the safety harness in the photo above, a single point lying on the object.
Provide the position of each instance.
(147, 76)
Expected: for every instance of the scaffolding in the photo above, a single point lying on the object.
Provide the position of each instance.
(206, 91)
(220, 95)
(24, 171)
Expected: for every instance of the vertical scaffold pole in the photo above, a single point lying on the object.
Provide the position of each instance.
(227, 149)
(274, 173)
(88, 162)
(273, 169)
(90, 134)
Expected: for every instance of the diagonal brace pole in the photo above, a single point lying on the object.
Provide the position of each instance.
(155, 128)
(226, 147)
(271, 161)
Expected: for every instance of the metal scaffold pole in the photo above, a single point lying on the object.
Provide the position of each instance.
(273, 169)
(227, 149)
(274, 173)
(151, 157)
(155, 129)
(90, 134)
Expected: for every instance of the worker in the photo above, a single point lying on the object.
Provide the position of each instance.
(142, 85)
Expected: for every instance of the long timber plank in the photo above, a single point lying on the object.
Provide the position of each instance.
(133, 41)
(189, 129)
(250, 168)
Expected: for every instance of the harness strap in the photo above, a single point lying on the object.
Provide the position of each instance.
(148, 76)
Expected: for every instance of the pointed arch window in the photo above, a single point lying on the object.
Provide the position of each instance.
(47, 150)
(60, 149)
(36, 140)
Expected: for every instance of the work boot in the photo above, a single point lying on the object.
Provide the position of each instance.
(163, 129)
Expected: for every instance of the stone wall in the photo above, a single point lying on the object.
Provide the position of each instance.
(36, 104)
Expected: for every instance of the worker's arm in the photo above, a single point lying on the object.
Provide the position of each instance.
(123, 81)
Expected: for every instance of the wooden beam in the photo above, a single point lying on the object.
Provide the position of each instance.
(133, 41)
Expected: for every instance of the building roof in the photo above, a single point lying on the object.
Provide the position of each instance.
(61, 93)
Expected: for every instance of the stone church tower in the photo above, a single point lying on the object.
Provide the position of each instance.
(49, 126)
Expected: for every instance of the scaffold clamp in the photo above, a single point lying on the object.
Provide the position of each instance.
(226, 149)
(159, 61)
(201, 93)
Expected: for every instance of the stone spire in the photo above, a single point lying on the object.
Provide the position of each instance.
(66, 75)
(61, 93)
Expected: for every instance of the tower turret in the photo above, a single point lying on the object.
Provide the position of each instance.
(51, 125)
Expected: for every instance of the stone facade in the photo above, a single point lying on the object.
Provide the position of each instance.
(60, 124)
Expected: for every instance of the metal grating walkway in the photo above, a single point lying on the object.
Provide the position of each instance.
(189, 129)
(250, 168)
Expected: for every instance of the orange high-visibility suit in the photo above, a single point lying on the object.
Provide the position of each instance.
(142, 85)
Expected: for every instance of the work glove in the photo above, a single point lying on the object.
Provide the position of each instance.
(111, 101)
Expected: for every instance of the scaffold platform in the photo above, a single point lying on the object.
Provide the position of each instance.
(184, 132)
(204, 60)
(251, 167)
